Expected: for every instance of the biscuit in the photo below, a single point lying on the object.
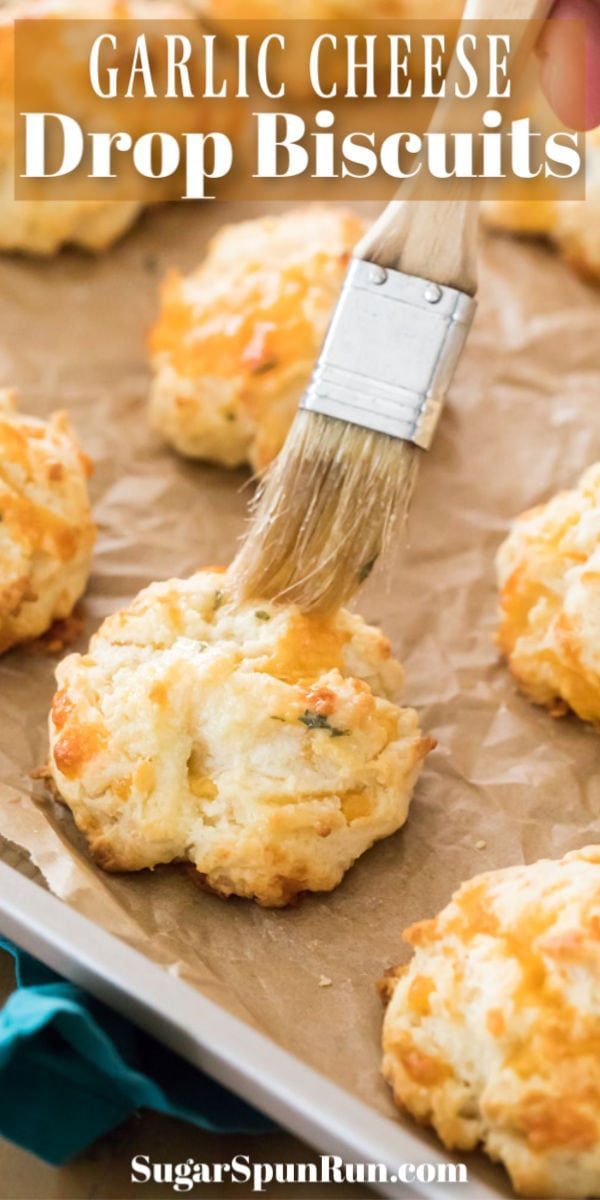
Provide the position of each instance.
(292, 66)
(492, 1032)
(236, 341)
(46, 529)
(43, 226)
(250, 740)
(573, 226)
(325, 10)
(549, 577)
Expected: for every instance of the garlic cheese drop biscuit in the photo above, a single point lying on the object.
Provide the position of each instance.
(235, 342)
(492, 1032)
(326, 10)
(573, 226)
(332, 67)
(41, 226)
(549, 577)
(46, 528)
(255, 742)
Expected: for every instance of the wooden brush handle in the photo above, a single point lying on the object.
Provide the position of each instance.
(437, 239)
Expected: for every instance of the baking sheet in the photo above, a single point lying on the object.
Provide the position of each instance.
(523, 419)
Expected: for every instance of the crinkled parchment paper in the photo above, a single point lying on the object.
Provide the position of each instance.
(523, 420)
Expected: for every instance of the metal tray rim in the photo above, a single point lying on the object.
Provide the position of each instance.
(242, 1059)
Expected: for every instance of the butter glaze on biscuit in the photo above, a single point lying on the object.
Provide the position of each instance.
(492, 1032)
(252, 741)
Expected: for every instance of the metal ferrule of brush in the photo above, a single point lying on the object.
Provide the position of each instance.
(390, 352)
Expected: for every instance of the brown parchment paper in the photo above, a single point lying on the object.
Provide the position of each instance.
(523, 420)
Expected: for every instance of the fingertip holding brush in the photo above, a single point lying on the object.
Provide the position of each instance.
(343, 482)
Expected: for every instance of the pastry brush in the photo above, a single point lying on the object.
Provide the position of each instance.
(345, 476)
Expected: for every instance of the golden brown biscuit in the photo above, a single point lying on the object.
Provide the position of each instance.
(236, 341)
(43, 226)
(46, 529)
(549, 576)
(492, 1032)
(252, 741)
(290, 66)
(571, 225)
(326, 10)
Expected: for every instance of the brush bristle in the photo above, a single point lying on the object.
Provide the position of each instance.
(324, 512)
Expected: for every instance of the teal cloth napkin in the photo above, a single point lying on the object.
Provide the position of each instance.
(71, 1069)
